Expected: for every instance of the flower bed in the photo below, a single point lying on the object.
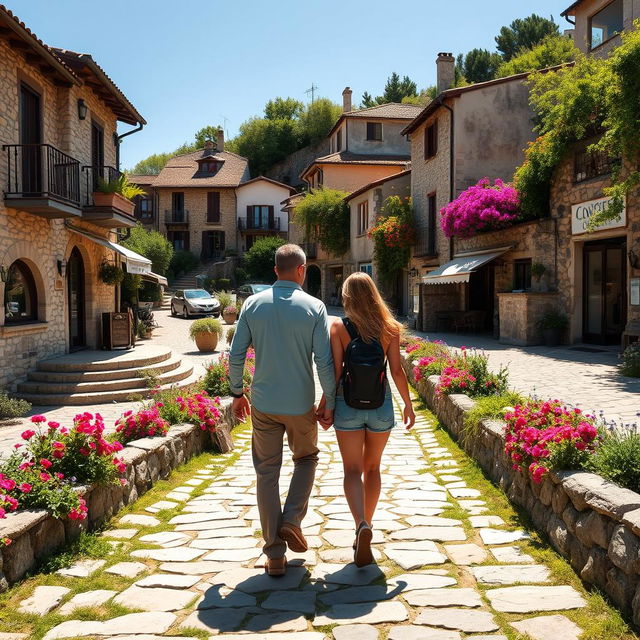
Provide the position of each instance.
(216, 379)
(590, 520)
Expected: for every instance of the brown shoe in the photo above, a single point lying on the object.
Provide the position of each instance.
(276, 566)
(363, 555)
(292, 535)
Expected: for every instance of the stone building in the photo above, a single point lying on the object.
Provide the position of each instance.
(366, 205)
(464, 135)
(58, 124)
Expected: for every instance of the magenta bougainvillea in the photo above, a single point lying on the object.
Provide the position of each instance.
(482, 207)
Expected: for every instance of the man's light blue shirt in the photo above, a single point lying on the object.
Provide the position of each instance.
(287, 328)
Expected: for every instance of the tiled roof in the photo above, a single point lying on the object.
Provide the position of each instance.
(270, 180)
(347, 157)
(138, 178)
(569, 10)
(377, 183)
(90, 71)
(182, 171)
(390, 111)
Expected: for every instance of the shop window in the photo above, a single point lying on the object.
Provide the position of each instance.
(607, 23)
(591, 164)
(374, 130)
(522, 275)
(20, 296)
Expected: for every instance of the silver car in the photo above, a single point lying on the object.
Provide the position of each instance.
(191, 302)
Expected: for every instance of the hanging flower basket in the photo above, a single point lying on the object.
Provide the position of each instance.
(110, 274)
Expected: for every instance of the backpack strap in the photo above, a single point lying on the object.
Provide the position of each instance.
(349, 326)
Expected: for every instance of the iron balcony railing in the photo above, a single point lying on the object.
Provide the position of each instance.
(94, 174)
(42, 171)
(176, 217)
(251, 224)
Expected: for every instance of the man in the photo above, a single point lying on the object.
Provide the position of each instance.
(286, 327)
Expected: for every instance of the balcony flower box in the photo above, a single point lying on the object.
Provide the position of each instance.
(114, 201)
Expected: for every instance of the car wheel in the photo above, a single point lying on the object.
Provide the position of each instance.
(185, 313)
(173, 311)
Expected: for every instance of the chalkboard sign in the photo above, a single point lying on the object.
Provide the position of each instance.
(116, 330)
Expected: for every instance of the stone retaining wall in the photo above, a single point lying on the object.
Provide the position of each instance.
(592, 522)
(35, 534)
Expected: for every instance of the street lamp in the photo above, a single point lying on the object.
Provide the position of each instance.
(82, 109)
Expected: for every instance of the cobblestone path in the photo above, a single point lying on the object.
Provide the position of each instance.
(438, 578)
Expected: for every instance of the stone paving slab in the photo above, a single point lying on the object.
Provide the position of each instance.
(466, 620)
(530, 599)
(548, 628)
(363, 613)
(133, 623)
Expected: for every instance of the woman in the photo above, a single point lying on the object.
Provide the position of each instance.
(363, 434)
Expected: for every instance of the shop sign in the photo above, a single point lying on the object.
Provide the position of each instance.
(581, 213)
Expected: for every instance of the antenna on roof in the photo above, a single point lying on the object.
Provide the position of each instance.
(312, 90)
(224, 124)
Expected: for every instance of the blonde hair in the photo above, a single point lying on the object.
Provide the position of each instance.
(367, 310)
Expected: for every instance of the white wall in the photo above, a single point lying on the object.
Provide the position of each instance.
(264, 193)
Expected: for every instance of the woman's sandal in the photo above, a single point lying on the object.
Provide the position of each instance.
(363, 554)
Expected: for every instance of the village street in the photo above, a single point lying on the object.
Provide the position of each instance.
(189, 560)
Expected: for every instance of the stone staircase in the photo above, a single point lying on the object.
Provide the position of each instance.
(188, 280)
(99, 377)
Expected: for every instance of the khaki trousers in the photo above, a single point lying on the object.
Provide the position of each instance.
(267, 445)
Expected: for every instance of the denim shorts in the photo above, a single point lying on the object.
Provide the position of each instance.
(380, 420)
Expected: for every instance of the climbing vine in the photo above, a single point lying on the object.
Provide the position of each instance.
(393, 236)
(324, 214)
(593, 98)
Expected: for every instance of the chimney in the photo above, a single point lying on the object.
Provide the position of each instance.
(208, 148)
(446, 65)
(346, 100)
(220, 143)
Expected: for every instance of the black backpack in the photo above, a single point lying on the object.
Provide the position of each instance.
(364, 373)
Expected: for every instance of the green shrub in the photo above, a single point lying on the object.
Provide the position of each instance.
(231, 331)
(205, 325)
(216, 379)
(240, 276)
(152, 245)
(183, 262)
(12, 407)
(224, 298)
(631, 361)
(492, 407)
(618, 459)
(261, 259)
(223, 284)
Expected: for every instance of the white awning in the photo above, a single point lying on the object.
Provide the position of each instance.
(156, 277)
(136, 263)
(462, 266)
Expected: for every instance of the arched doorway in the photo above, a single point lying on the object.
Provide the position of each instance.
(76, 298)
(314, 280)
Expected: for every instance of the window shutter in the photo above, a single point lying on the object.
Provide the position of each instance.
(435, 138)
(213, 206)
(426, 143)
(271, 217)
(249, 216)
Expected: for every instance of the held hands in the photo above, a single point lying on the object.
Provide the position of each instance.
(240, 408)
(323, 415)
(408, 417)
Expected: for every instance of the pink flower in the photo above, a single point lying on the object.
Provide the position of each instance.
(25, 487)
(38, 419)
(46, 464)
(45, 477)
(28, 434)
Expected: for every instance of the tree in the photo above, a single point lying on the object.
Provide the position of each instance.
(317, 119)
(152, 245)
(206, 133)
(524, 33)
(153, 164)
(324, 214)
(552, 51)
(283, 108)
(261, 258)
(395, 89)
(479, 65)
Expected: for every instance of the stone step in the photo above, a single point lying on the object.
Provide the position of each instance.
(98, 376)
(135, 383)
(139, 357)
(103, 397)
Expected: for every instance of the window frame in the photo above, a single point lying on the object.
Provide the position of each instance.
(368, 268)
(370, 137)
(431, 140)
(522, 274)
(338, 140)
(31, 294)
(598, 161)
(590, 25)
(363, 217)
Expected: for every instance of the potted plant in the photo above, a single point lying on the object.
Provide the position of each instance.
(117, 193)
(110, 274)
(230, 314)
(231, 331)
(552, 325)
(206, 332)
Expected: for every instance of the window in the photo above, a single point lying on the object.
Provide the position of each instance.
(260, 216)
(339, 140)
(20, 297)
(177, 201)
(209, 166)
(431, 140)
(374, 130)
(144, 208)
(591, 164)
(363, 217)
(213, 206)
(431, 224)
(367, 268)
(522, 275)
(606, 23)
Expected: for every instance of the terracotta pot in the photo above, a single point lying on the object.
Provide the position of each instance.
(115, 201)
(206, 341)
(229, 317)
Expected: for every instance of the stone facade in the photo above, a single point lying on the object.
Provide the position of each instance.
(39, 243)
(288, 170)
(591, 522)
(35, 534)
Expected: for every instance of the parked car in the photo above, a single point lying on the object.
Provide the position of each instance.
(246, 290)
(192, 302)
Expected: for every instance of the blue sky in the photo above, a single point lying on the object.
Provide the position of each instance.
(191, 63)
